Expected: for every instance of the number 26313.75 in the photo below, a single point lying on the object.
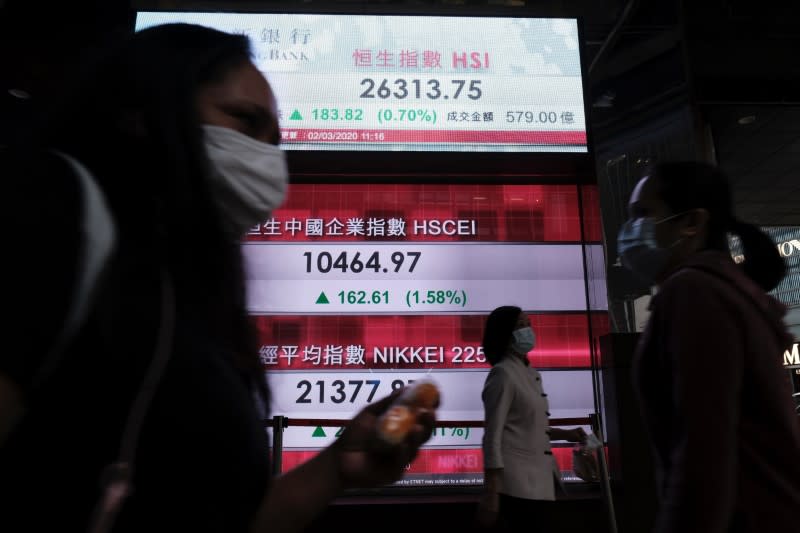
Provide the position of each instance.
(431, 89)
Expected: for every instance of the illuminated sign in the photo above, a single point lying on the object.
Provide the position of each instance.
(414, 249)
(415, 83)
(786, 249)
(339, 395)
(431, 277)
(791, 357)
(789, 248)
(356, 290)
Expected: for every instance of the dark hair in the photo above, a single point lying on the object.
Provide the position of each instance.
(691, 185)
(132, 119)
(497, 333)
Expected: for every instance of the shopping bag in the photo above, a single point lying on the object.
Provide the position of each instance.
(584, 459)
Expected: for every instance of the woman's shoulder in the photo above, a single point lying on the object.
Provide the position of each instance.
(503, 369)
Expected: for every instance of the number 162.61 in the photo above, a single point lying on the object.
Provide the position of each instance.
(363, 297)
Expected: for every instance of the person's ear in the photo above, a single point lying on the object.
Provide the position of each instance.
(696, 222)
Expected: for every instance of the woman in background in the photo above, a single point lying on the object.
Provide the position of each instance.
(520, 471)
(714, 397)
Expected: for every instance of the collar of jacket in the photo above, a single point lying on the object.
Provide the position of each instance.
(514, 356)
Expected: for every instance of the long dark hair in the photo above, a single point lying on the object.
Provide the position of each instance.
(692, 185)
(497, 333)
(132, 120)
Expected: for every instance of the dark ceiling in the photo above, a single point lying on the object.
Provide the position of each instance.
(747, 85)
(762, 158)
(736, 61)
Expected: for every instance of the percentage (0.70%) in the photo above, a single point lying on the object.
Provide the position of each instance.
(433, 297)
(406, 115)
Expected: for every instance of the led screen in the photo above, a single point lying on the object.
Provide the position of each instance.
(415, 83)
(356, 290)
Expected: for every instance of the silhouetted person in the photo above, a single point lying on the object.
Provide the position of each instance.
(124, 218)
(714, 396)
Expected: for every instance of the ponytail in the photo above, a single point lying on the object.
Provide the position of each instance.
(762, 262)
(685, 185)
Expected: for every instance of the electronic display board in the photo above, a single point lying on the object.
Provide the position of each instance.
(414, 143)
(415, 83)
(356, 290)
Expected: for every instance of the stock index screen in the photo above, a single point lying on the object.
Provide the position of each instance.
(358, 289)
(415, 83)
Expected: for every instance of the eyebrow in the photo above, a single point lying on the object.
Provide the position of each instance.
(265, 118)
(262, 112)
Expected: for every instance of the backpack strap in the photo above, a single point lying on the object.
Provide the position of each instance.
(98, 238)
(117, 478)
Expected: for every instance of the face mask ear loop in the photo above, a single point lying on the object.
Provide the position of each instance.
(682, 237)
(670, 217)
(677, 241)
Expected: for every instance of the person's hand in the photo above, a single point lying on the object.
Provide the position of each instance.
(364, 460)
(488, 509)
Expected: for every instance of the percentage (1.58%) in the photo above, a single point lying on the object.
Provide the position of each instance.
(434, 297)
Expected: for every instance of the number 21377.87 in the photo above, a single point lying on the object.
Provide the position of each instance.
(340, 390)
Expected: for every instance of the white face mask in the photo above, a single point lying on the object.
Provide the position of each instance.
(249, 177)
(524, 340)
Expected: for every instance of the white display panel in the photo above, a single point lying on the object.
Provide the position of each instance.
(411, 278)
(341, 394)
(415, 83)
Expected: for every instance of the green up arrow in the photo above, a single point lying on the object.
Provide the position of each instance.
(319, 432)
(322, 299)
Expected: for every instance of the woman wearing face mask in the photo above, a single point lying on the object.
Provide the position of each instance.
(126, 211)
(715, 400)
(520, 472)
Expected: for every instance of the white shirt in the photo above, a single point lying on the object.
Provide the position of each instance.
(516, 435)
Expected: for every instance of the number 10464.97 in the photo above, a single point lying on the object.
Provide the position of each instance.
(324, 262)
